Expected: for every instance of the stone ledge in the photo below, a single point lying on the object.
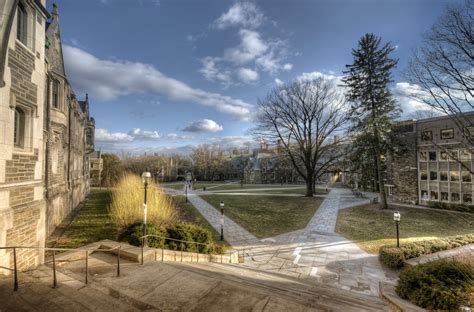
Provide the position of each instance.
(445, 254)
(388, 293)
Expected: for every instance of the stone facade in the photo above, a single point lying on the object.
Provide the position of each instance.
(46, 134)
(97, 165)
(432, 161)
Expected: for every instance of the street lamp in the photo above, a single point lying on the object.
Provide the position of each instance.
(146, 176)
(222, 220)
(396, 218)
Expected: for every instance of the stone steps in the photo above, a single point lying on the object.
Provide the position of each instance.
(37, 294)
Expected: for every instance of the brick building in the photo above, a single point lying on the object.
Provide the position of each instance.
(46, 134)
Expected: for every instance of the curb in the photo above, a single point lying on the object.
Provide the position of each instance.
(388, 294)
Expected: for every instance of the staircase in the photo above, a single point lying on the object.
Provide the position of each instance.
(169, 286)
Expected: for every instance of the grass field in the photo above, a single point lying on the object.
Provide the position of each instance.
(267, 216)
(370, 227)
(91, 224)
(274, 190)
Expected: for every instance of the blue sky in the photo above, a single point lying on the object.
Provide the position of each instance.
(166, 75)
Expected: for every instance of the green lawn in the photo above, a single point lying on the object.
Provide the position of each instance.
(191, 214)
(370, 227)
(267, 216)
(91, 224)
(274, 190)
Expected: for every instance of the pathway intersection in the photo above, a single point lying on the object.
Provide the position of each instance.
(314, 253)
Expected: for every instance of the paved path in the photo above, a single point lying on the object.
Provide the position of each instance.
(233, 233)
(315, 253)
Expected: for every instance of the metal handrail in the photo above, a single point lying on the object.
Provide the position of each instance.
(54, 249)
(143, 241)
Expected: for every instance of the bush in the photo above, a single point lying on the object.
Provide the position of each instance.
(132, 235)
(182, 231)
(191, 233)
(438, 285)
(126, 206)
(450, 206)
(394, 257)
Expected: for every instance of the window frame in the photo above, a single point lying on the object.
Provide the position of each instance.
(19, 124)
(451, 130)
(22, 23)
(427, 135)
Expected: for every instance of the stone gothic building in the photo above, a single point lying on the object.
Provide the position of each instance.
(46, 133)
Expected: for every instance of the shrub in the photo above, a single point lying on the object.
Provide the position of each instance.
(133, 232)
(394, 257)
(192, 233)
(182, 231)
(126, 206)
(438, 285)
(451, 206)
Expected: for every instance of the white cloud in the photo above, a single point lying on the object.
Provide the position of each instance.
(245, 14)
(232, 141)
(247, 74)
(142, 135)
(107, 80)
(103, 135)
(288, 66)
(211, 71)
(404, 92)
(317, 74)
(204, 125)
(278, 82)
(251, 46)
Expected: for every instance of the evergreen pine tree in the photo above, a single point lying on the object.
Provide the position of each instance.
(373, 108)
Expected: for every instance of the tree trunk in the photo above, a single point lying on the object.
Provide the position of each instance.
(309, 186)
(383, 196)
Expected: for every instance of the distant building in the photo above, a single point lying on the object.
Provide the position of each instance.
(434, 163)
(97, 165)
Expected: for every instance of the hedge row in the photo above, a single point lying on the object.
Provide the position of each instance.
(451, 206)
(438, 285)
(394, 257)
(198, 238)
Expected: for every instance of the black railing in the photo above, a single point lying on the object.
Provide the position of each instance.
(54, 250)
(183, 243)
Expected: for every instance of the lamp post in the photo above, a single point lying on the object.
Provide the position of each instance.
(222, 220)
(146, 176)
(186, 190)
(396, 218)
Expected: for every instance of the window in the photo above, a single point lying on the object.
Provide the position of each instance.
(443, 176)
(427, 136)
(434, 195)
(424, 195)
(455, 197)
(433, 175)
(423, 175)
(447, 133)
(465, 155)
(423, 156)
(467, 198)
(432, 156)
(453, 155)
(21, 24)
(55, 93)
(454, 175)
(469, 131)
(445, 196)
(443, 155)
(466, 176)
(19, 127)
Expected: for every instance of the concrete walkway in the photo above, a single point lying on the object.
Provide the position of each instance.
(315, 253)
(233, 233)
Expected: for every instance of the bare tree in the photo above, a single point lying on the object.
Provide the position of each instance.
(443, 68)
(305, 116)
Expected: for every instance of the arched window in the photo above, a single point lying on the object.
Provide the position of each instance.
(22, 23)
(19, 127)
